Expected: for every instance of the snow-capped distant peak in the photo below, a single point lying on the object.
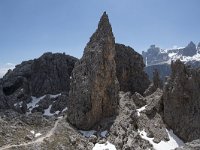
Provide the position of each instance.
(155, 55)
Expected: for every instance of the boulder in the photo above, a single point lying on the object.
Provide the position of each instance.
(94, 88)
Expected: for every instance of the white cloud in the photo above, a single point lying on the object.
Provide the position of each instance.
(10, 64)
(5, 68)
(175, 47)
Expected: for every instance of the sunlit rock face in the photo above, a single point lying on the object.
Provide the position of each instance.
(94, 87)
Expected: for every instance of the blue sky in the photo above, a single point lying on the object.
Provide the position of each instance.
(29, 28)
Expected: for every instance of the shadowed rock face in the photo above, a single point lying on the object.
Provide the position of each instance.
(189, 50)
(163, 69)
(49, 74)
(154, 56)
(198, 47)
(157, 83)
(194, 145)
(130, 70)
(181, 99)
(94, 87)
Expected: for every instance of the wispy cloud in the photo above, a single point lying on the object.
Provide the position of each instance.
(5, 68)
(175, 47)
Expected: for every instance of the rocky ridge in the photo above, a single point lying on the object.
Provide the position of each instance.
(160, 59)
(49, 74)
(130, 70)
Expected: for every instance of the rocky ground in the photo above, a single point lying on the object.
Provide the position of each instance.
(123, 131)
(16, 128)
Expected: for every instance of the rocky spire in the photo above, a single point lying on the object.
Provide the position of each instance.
(157, 83)
(181, 101)
(94, 86)
(156, 79)
(104, 28)
(191, 44)
(189, 50)
(103, 34)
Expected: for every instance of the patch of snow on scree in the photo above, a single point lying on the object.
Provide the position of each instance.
(34, 102)
(173, 143)
(38, 134)
(104, 133)
(87, 133)
(106, 146)
(65, 109)
(141, 109)
(55, 96)
(48, 113)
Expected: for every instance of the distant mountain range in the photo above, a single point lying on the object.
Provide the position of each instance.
(160, 59)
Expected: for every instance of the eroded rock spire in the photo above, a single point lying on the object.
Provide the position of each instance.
(94, 87)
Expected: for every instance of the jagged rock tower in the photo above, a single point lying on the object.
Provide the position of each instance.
(94, 86)
(181, 99)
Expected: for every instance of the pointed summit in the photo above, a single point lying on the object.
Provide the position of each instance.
(104, 31)
(191, 44)
(104, 24)
(189, 50)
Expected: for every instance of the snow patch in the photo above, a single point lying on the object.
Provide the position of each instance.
(174, 56)
(34, 102)
(65, 109)
(33, 132)
(171, 54)
(173, 48)
(55, 96)
(38, 134)
(19, 103)
(173, 143)
(48, 113)
(105, 146)
(60, 117)
(104, 133)
(87, 134)
(141, 109)
(57, 112)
